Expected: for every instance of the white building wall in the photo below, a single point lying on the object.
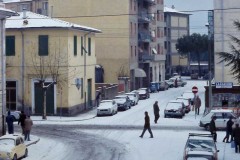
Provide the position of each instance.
(224, 17)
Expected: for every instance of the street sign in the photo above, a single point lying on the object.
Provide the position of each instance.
(194, 89)
(224, 84)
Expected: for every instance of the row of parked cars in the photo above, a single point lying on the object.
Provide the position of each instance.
(180, 106)
(122, 102)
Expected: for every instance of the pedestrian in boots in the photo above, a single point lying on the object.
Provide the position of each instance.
(147, 126)
(228, 130)
(28, 127)
(21, 121)
(213, 129)
(98, 98)
(236, 136)
(197, 104)
(10, 120)
(156, 111)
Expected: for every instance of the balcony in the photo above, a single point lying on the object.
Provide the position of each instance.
(144, 37)
(159, 57)
(152, 2)
(143, 17)
(145, 57)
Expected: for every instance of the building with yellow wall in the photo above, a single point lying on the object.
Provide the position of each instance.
(41, 48)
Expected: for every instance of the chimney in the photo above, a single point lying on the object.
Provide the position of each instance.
(173, 7)
(24, 13)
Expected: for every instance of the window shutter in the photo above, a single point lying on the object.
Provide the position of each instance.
(43, 45)
(75, 45)
(10, 45)
(89, 46)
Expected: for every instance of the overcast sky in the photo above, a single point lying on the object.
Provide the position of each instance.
(197, 19)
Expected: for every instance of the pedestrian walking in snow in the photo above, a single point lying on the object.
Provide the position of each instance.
(228, 130)
(10, 120)
(197, 104)
(156, 111)
(28, 127)
(147, 126)
(175, 82)
(213, 129)
(98, 98)
(21, 121)
(236, 136)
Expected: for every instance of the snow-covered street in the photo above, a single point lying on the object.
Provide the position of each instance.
(123, 130)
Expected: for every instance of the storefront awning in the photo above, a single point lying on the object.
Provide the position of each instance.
(139, 72)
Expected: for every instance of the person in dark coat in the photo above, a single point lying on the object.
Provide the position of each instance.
(197, 103)
(228, 130)
(236, 136)
(176, 85)
(21, 120)
(213, 129)
(147, 126)
(98, 98)
(156, 111)
(10, 120)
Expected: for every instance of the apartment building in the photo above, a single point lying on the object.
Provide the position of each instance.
(36, 6)
(40, 48)
(176, 26)
(4, 13)
(130, 44)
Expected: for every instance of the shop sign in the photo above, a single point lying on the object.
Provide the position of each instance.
(224, 84)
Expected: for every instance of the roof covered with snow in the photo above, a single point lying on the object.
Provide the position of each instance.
(6, 12)
(33, 20)
(173, 10)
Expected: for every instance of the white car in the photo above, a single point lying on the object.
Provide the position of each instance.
(222, 116)
(12, 147)
(190, 95)
(107, 107)
(133, 97)
(123, 102)
(174, 109)
(186, 102)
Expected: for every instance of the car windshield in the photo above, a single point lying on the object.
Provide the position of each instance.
(7, 141)
(198, 143)
(200, 157)
(185, 101)
(173, 105)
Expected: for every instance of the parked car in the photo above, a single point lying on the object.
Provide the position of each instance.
(163, 86)
(170, 83)
(123, 102)
(143, 93)
(107, 107)
(190, 95)
(15, 114)
(136, 92)
(174, 109)
(186, 102)
(222, 116)
(180, 82)
(133, 97)
(200, 146)
(12, 147)
(154, 87)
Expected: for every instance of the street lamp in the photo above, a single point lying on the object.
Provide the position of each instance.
(209, 68)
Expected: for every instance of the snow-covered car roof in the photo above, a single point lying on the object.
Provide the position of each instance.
(221, 110)
(174, 101)
(182, 98)
(10, 136)
(121, 96)
(103, 101)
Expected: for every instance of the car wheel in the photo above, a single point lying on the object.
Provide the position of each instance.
(15, 157)
(26, 153)
(112, 113)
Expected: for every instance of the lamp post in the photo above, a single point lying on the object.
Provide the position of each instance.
(209, 68)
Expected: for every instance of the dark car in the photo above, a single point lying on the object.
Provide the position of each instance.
(143, 93)
(123, 102)
(163, 86)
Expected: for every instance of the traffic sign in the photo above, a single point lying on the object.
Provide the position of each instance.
(194, 89)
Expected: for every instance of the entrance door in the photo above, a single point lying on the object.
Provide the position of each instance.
(11, 95)
(89, 103)
(39, 99)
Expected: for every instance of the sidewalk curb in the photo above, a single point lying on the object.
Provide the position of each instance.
(42, 120)
(34, 142)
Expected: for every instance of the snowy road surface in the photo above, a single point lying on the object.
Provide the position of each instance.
(117, 137)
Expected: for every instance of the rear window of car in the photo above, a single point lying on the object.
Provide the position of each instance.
(174, 105)
(198, 143)
(7, 141)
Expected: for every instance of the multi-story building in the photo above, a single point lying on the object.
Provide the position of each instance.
(4, 13)
(151, 40)
(40, 48)
(126, 33)
(36, 6)
(176, 26)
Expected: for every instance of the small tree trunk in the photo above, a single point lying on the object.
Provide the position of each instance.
(44, 116)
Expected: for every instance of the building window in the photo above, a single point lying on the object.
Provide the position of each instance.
(75, 45)
(11, 95)
(25, 7)
(89, 47)
(131, 51)
(82, 46)
(45, 5)
(43, 45)
(10, 45)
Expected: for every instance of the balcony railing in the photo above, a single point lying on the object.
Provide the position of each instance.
(159, 57)
(145, 57)
(144, 17)
(144, 37)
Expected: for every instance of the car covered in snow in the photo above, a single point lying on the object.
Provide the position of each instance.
(222, 116)
(200, 146)
(107, 107)
(123, 102)
(174, 109)
(12, 147)
(133, 97)
(143, 93)
(186, 102)
(190, 95)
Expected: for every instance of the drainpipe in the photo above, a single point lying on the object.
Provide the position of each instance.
(23, 71)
